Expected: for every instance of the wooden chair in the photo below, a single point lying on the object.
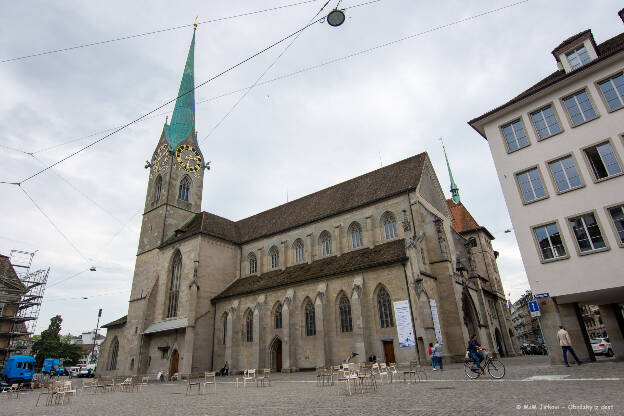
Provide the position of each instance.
(194, 379)
(210, 377)
(100, 384)
(383, 372)
(69, 389)
(127, 385)
(392, 371)
(59, 396)
(265, 377)
(47, 389)
(348, 377)
(88, 385)
(249, 376)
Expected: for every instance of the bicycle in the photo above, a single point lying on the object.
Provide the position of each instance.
(494, 367)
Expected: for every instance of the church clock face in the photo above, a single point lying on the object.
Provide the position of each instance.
(159, 160)
(189, 158)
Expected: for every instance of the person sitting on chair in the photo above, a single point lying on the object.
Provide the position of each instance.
(372, 358)
(474, 350)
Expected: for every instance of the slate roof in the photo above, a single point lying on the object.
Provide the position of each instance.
(366, 258)
(605, 49)
(462, 219)
(117, 322)
(8, 272)
(371, 187)
(167, 325)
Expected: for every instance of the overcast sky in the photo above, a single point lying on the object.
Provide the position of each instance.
(293, 136)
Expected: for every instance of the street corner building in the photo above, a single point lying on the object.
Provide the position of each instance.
(307, 283)
(558, 149)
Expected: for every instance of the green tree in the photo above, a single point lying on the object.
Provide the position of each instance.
(50, 345)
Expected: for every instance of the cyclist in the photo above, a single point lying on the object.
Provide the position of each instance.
(474, 351)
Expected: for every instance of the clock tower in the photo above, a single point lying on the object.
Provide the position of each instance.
(177, 166)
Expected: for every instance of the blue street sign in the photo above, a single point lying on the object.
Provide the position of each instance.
(533, 306)
(542, 295)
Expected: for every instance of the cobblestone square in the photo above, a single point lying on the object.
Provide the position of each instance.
(531, 386)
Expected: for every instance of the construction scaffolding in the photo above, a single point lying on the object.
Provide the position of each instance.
(21, 294)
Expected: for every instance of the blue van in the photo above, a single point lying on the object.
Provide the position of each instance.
(19, 369)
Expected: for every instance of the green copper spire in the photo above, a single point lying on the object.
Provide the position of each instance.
(183, 118)
(454, 187)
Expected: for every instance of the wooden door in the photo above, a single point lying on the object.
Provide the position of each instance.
(278, 356)
(389, 351)
(173, 368)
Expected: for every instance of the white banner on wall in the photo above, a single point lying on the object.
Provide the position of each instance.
(436, 320)
(405, 330)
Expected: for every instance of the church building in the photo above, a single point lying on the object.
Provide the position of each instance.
(382, 263)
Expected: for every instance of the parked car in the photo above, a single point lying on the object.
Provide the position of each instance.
(602, 346)
(73, 371)
(86, 372)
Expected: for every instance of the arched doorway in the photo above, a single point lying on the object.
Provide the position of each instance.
(173, 366)
(275, 351)
(471, 319)
(499, 343)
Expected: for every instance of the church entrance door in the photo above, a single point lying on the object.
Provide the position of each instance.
(389, 351)
(173, 367)
(276, 355)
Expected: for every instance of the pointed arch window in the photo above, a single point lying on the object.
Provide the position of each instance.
(224, 329)
(278, 317)
(385, 309)
(355, 231)
(157, 189)
(299, 253)
(253, 263)
(274, 253)
(310, 323)
(174, 286)
(326, 243)
(390, 225)
(344, 308)
(249, 326)
(185, 188)
(112, 362)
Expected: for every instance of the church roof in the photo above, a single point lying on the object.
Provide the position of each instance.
(371, 187)
(463, 220)
(366, 258)
(8, 275)
(116, 322)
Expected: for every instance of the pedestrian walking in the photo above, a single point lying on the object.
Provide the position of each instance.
(430, 352)
(437, 355)
(566, 345)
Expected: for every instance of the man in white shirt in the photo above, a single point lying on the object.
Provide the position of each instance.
(566, 345)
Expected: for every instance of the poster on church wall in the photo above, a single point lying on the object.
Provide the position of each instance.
(436, 320)
(405, 330)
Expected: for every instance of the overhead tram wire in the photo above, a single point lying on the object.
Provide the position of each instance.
(248, 90)
(53, 224)
(169, 102)
(138, 35)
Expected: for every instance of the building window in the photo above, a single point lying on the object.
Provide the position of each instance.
(274, 253)
(149, 360)
(249, 326)
(578, 57)
(326, 243)
(174, 286)
(157, 188)
(299, 253)
(613, 91)
(112, 361)
(580, 108)
(603, 161)
(185, 186)
(545, 122)
(224, 329)
(310, 324)
(132, 364)
(277, 319)
(344, 309)
(390, 225)
(357, 239)
(587, 233)
(549, 241)
(617, 216)
(515, 136)
(253, 263)
(531, 185)
(385, 309)
(565, 173)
